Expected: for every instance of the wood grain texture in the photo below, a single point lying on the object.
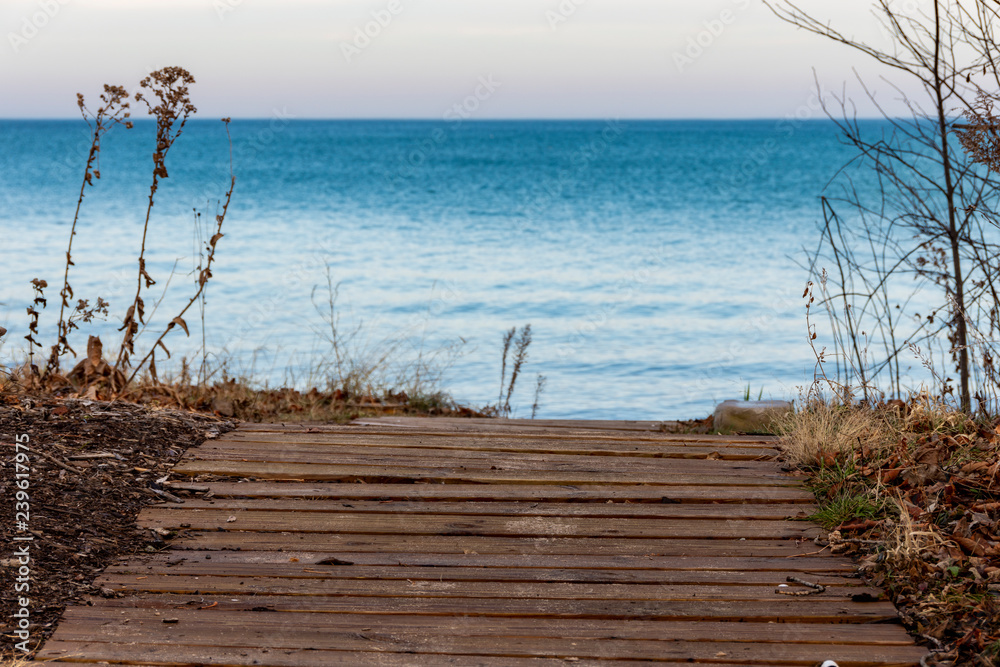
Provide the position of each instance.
(408, 541)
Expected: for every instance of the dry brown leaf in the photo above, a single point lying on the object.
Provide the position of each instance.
(95, 351)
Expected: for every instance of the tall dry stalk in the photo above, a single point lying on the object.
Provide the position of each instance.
(113, 110)
(520, 345)
(167, 99)
(204, 275)
(508, 336)
(539, 388)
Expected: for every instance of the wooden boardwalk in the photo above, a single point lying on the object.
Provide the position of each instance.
(403, 542)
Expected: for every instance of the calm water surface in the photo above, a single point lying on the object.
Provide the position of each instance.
(655, 261)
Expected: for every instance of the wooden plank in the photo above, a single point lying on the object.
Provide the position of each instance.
(62, 652)
(347, 473)
(806, 609)
(504, 461)
(668, 645)
(183, 560)
(471, 544)
(502, 427)
(538, 544)
(702, 511)
(478, 626)
(481, 425)
(514, 492)
(518, 425)
(298, 570)
(356, 435)
(580, 446)
(493, 590)
(458, 524)
(319, 452)
(744, 652)
(625, 428)
(597, 445)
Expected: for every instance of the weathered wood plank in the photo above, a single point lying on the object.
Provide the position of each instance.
(807, 609)
(458, 524)
(471, 544)
(528, 426)
(501, 441)
(479, 626)
(677, 462)
(436, 562)
(514, 492)
(223, 656)
(484, 425)
(344, 473)
(494, 590)
(288, 569)
(578, 446)
(744, 652)
(720, 512)
(536, 544)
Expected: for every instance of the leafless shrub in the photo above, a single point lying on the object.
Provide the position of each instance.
(358, 364)
(913, 262)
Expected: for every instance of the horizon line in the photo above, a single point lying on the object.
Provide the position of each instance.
(414, 119)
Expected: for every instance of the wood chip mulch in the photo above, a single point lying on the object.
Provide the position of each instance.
(93, 466)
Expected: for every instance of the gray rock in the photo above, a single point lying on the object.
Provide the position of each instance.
(748, 416)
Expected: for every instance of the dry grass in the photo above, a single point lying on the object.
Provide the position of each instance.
(821, 431)
(906, 542)
(244, 398)
(927, 414)
(910, 489)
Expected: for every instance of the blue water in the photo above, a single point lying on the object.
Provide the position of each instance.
(657, 262)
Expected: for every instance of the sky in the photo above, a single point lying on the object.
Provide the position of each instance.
(429, 58)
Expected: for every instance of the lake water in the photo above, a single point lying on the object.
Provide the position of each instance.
(657, 262)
